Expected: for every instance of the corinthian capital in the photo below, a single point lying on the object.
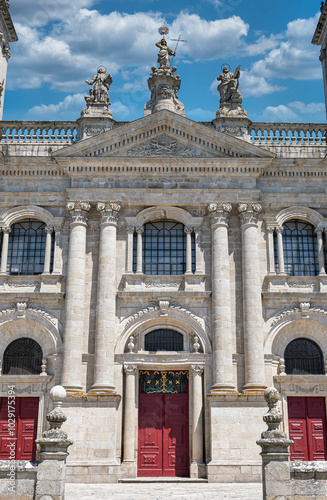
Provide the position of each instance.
(219, 213)
(108, 212)
(249, 212)
(78, 211)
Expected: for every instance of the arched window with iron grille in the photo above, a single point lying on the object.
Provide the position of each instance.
(300, 248)
(26, 250)
(163, 340)
(303, 357)
(164, 248)
(22, 357)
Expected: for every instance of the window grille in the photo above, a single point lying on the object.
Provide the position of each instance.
(26, 249)
(22, 357)
(163, 340)
(300, 249)
(303, 356)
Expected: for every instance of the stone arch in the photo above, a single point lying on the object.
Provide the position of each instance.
(163, 212)
(294, 326)
(14, 328)
(302, 213)
(19, 213)
(149, 319)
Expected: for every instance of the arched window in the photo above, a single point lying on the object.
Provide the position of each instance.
(303, 356)
(300, 249)
(164, 248)
(26, 250)
(22, 357)
(163, 340)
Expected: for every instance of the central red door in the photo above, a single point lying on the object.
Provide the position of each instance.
(307, 428)
(163, 435)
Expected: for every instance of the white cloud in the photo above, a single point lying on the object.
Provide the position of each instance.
(262, 45)
(200, 114)
(295, 57)
(295, 111)
(69, 108)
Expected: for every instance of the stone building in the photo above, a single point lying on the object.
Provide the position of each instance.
(164, 271)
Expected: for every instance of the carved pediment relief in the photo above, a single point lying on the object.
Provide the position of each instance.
(164, 146)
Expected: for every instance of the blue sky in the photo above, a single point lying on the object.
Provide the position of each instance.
(62, 43)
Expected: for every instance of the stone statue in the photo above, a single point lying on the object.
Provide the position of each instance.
(99, 94)
(228, 84)
(164, 53)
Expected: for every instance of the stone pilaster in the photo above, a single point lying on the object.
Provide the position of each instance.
(197, 464)
(280, 250)
(188, 231)
(270, 250)
(106, 300)
(129, 413)
(4, 250)
(74, 306)
(221, 300)
(47, 256)
(321, 252)
(252, 306)
(139, 250)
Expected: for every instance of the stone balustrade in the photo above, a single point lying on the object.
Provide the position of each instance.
(288, 134)
(23, 133)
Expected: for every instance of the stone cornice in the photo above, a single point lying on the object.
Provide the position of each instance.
(8, 21)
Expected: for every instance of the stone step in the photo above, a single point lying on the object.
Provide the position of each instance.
(162, 480)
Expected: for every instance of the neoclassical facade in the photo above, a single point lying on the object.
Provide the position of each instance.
(165, 272)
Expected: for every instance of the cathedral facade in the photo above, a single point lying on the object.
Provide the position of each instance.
(165, 272)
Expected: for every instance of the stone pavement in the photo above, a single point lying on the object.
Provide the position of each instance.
(164, 491)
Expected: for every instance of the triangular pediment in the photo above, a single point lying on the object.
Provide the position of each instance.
(161, 135)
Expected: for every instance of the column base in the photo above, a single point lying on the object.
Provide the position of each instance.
(254, 388)
(73, 390)
(197, 469)
(102, 389)
(223, 388)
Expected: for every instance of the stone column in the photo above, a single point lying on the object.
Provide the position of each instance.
(129, 250)
(75, 286)
(321, 252)
(280, 249)
(221, 300)
(47, 256)
(139, 253)
(129, 413)
(270, 251)
(198, 252)
(197, 464)
(252, 306)
(4, 250)
(106, 300)
(57, 257)
(188, 231)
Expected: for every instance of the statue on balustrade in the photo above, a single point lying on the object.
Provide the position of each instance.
(100, 92)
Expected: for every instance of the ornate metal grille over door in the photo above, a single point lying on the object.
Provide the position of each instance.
(303, 356)
(22, 357)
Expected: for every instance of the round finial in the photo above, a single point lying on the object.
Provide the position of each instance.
(58, 394)
(271, 396)
(163, 30)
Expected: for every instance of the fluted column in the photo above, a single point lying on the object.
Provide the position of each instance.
(129, 413)
(129, 250)
(106, 299)
(221, 300)
(188, 231)
(139, 251)
(252, 306)
(47, 255)
(4, 250)
(321, 252)
(280, 250)
(270, 250)
(74, 304)
(197, 417)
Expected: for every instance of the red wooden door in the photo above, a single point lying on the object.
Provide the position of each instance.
(307, 428)
(163, 435)
(20, 430)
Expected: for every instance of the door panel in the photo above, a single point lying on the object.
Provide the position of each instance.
(151, 417)
(175, 444)
(23, 433)
(307, 428)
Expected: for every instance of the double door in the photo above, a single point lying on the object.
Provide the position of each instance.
(163, 435)
(18, 428)
(307, 428)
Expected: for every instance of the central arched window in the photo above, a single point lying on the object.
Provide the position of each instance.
(303, 356)
(164, 248)
(163, 340)
(26, 250)
(300, 249)
(22, 357)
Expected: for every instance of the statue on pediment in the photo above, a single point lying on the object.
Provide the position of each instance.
(164, 53)
(99, 94)
(228, 86)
